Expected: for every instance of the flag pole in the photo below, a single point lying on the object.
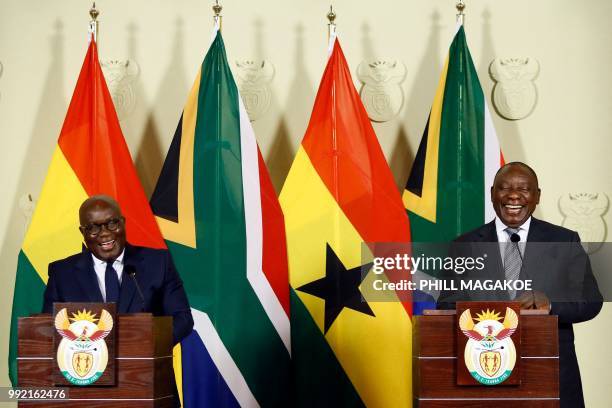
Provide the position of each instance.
(93, 24)
(331, 39)
(217, 10)
(331, 26)
(460, 7)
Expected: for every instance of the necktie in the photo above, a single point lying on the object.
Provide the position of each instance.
(512, 260)
(111, 281)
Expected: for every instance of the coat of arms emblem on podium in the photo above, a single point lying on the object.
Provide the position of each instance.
(82, 354)
(489, 354)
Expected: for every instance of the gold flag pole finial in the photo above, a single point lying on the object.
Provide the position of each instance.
(217, 10)
(460, 15)
(331, 26)
(93, 24)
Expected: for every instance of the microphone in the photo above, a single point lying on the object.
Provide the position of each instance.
(516, 238)
(130, 270)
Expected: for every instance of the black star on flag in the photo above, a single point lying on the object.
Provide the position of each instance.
(339, 288)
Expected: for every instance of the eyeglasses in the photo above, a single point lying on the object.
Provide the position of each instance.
(94, 229)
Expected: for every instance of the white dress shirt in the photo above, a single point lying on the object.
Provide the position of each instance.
(503, 237)
(100, 268)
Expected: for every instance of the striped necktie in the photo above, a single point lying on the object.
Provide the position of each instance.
(512, 260)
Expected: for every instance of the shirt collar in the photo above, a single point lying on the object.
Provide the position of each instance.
(98, 261)
(501, 227)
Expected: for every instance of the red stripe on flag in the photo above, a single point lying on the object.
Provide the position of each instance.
(274, 239)
(93, 144)
(343, 148)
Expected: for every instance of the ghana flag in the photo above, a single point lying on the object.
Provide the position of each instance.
(220, 216)
(340, 193)
(447, 193)
(91, 158)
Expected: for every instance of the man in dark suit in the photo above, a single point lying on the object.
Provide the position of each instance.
(552, 258)
(138, 279)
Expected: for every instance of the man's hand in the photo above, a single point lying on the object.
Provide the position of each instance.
(534, 300)
(527, 300)
(541, 301)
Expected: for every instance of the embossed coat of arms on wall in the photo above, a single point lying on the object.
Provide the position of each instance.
(514, 93)
(381, 92)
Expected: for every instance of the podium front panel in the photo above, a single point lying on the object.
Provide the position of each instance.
(435, 366)
(143, 363)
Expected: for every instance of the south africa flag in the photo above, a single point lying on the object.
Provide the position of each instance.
(447, 193)
(221, 219)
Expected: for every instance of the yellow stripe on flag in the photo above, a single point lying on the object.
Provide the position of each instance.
(177, 364)
(54, 231)
(425, 205)
(375, 352)
(183, 231)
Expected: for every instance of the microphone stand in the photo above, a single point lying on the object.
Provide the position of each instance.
(132, 272)
(515, 239)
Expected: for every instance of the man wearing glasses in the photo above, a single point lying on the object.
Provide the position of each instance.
(138, 279)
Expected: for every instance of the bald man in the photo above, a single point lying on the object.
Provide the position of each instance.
(112, 270)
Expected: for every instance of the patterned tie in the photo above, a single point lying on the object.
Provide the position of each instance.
(111, 281)
(512, 260)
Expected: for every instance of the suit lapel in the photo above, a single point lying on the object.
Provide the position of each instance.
(131, 261)
(486, 243)
(530, 259)
(87, 279)
(489, 234)
(536, 231)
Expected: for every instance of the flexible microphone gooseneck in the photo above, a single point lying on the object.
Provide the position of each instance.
(516, 238)
(132, 272)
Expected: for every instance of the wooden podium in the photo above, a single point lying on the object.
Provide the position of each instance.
(144, 376)
(435, 365)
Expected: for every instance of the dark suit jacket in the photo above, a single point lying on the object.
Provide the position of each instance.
(73, 279)
(559, 267)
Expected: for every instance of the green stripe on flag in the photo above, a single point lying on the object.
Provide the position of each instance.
(27, 299)
(462, 142)
(318, 378)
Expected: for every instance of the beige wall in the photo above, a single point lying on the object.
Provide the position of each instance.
(567, 138)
